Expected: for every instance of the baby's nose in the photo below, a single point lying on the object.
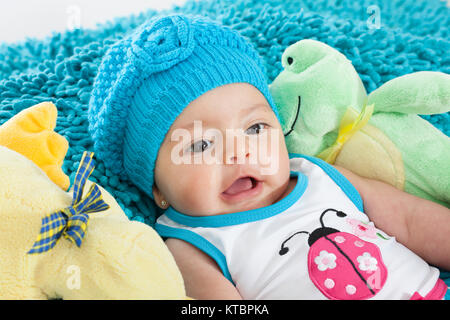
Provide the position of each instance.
(239, 158)
(238, 150)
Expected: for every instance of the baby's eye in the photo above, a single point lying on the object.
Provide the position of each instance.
(200, 146)
(256, 128)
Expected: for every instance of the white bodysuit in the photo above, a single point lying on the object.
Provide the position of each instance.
(316, 243)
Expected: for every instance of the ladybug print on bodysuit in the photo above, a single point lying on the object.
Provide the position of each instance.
(342, 265)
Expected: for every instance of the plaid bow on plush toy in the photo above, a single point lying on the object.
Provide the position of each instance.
(71, 222)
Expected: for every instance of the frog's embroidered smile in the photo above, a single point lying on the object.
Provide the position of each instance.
(296, 117)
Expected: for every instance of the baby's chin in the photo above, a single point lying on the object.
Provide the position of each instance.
(252, 206)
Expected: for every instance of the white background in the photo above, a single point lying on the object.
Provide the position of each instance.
(38, 18)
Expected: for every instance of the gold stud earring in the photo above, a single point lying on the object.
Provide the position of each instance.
(163, 203)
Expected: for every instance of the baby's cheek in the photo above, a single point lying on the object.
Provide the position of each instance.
(193, 201)
(196, 191)
(274, 158)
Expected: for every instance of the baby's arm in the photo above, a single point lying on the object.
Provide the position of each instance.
(202, 277)
(421, 225)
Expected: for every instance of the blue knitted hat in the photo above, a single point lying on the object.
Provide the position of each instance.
(145, 81)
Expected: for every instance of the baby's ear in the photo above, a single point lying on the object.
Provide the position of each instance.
(157, 195)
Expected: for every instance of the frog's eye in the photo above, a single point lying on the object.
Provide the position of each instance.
(290, 60)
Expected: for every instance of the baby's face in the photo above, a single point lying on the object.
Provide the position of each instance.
(224, 153)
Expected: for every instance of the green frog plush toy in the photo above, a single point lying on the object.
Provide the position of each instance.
(326, 112)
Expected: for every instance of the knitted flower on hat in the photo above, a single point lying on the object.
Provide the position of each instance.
(146, 80)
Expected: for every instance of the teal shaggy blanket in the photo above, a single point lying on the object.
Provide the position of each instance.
(413, 35)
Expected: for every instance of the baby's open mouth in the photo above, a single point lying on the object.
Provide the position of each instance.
(241, 184)
(242, 188)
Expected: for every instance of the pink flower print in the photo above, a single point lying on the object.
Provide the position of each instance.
(339, 239)
(350, 289)
(325, 260)
(359, 244)
(329, 283)
(367, 262)
(361, 229)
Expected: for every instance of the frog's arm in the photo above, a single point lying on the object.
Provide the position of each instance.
(424, 92)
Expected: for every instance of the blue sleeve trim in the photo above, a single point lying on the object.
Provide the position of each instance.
(197, 241)
(337, 177)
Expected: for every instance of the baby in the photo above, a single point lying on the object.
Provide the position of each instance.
(181, 107)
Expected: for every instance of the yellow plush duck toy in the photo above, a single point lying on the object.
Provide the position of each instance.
(92, 250)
